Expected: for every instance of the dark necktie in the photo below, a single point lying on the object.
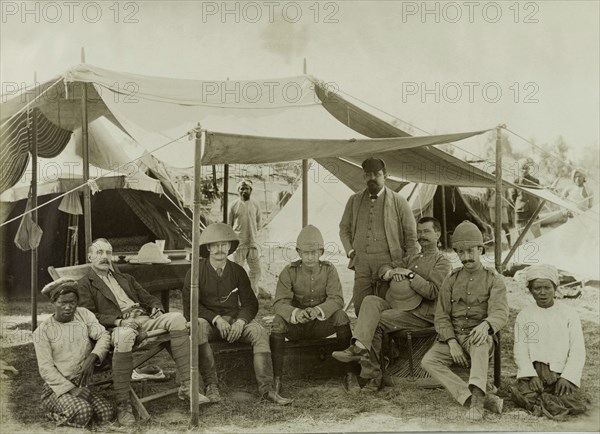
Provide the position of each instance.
(373, 196)
(220, 272)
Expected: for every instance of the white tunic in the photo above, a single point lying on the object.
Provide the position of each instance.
(553, 336)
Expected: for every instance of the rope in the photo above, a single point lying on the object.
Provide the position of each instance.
(26, 106)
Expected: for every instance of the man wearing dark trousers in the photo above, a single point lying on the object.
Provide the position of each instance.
(309, 303)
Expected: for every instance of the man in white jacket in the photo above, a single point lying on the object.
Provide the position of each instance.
(549, 350)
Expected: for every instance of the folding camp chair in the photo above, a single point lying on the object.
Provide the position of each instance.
(153, 343)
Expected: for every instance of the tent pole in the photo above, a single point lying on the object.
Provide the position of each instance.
(34, 204)
(523, 233)
(195, 274)
(87, 204)
(225, 191)
(499, 195)
(444, 221)
(304, 176)
(304, 193)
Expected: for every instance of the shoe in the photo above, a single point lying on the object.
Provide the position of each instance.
(150, 372)
(125, 415)
(372, 386)
(351, 354)
(212, 393)
(350, 383)
(184, 395)
(475, 413)
(276, 398)
(493, 403)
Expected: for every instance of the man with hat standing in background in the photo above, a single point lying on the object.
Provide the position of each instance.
(525, 204)
(309, 303)
(471, 307)
(245, 217)
(409, 302)
(227, 307)
(577, 192)
(377, 228)
(549, 350)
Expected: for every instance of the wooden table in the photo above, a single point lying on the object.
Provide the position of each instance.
(158, 277)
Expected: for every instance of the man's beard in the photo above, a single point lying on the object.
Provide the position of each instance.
(373, 187)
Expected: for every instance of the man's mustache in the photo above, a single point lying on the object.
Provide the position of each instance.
(468, 261)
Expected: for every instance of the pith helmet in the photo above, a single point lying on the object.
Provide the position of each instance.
(467, 235)
(310, 238)
(217, 233)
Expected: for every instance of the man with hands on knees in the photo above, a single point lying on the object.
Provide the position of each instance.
(68, 346)
(129, 311)
(227, 307)
(471, 307)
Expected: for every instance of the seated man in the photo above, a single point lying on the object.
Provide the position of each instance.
(227, 305)
(471, 307)
(67, 346)
(121, 304)
(549, 350)
(409, 302)
(308, 302)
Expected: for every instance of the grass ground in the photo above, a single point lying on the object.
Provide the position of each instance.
(319, 406)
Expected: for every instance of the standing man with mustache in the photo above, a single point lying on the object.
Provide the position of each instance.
(377, 228)
(471, 307)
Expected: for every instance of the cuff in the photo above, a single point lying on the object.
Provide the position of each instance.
(321, 316)
(214, 321)
(293, 319)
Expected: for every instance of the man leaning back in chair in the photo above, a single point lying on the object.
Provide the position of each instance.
(123, 306)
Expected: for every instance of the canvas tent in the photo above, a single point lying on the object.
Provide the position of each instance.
(573, 246)
(131, 207)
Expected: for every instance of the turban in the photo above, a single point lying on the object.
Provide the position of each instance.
(542, 271)
(244, 182)
(64, 285)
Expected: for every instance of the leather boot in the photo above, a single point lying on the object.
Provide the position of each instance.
(180, 350)
(277, 384)
(343, 336)
(475, 412)
(206, 365)
(277, 342)
(493, 403)
(122, 366)
(263, 370)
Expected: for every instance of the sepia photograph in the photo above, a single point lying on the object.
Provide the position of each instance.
(303, 216)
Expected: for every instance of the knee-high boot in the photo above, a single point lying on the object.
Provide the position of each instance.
(206, 364)
(180, 349)
(277, 342)
(263, 369)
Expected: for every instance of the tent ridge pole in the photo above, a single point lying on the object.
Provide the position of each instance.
(499, 195)
(34, 203)
(200, 137)
(87, 203)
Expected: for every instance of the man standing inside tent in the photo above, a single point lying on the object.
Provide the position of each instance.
(227, 307)
(525, 204)
(245, 217)
(377, 228)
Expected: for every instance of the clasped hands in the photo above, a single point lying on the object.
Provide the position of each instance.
(305, 315)
(230, 332)
(561, 387)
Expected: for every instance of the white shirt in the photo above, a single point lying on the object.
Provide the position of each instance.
(553, 336)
